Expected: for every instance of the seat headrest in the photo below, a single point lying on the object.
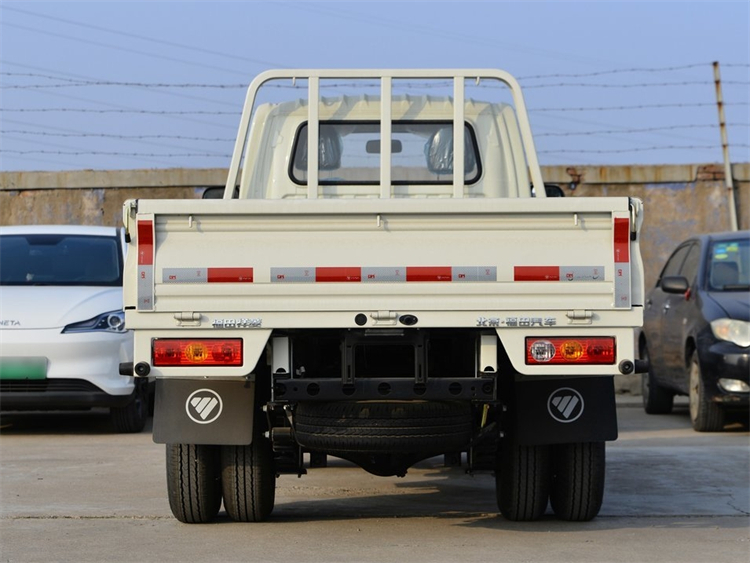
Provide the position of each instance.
(438, 151)
(330, 147)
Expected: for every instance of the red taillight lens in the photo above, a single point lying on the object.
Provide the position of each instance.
(197, 352)
(571, 350)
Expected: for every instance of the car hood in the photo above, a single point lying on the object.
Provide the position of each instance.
(45, 307)
(736, 304)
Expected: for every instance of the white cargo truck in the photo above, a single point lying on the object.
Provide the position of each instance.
(405, 291)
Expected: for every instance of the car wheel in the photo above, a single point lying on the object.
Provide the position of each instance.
(577, 480)
(132, 417)
(705, 415)
(248, 480)
(194, 482)
(522, 479)
(656, 399)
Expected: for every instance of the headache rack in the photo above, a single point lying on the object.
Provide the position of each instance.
(385, 78)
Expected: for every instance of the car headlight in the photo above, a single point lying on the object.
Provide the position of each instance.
(114, 321)
(732, 330)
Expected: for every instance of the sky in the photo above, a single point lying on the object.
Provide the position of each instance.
(125, 85)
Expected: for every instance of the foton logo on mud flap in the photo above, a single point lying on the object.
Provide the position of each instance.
(204, 406)
(565, 405)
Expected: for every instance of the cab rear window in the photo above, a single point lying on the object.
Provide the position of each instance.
(349, 153)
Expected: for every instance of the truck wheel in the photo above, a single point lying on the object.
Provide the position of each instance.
(577, 480)
(522, 480)
(656, 399)
(132, 417)
(193, 482)
(385, 427)
(248, 480)
(705, 415)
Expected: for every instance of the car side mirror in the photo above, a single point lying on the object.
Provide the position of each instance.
(674, 284)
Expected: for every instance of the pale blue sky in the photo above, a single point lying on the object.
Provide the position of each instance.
(637, 78)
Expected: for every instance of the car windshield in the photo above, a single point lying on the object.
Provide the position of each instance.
(60, 259)
(729, 267)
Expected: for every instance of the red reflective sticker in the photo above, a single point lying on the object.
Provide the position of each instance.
(622, 240)
(429, 274)
(536, 273)
(230, 275)
(145, 243)
(334, 274)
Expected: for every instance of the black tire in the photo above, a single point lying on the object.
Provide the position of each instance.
(132, 417)
(577, 480)
(384, 427)
(656, 399)
(248, 480)
(194, 482)
(705, 415)
(522, 479)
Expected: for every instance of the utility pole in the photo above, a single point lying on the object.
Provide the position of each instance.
(725, 150)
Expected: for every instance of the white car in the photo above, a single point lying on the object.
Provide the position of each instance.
(62, 327)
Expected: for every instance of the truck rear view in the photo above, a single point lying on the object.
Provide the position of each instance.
(405, 291)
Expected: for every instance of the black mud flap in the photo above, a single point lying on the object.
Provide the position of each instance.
(562, 411)
(204, 412)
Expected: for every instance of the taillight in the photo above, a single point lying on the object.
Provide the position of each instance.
(197, 352)
(571, 350)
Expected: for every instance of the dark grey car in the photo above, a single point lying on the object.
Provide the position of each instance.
(696, 332)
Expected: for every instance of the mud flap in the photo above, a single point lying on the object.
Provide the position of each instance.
(204, 412)
(562, 411)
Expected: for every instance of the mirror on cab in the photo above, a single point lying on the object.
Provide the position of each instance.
(217, 192)
(553, 190)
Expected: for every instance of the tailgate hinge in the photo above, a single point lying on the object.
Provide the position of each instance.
(580, 317)
(188, 319)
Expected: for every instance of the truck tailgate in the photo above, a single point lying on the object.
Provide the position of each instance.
(432, 257)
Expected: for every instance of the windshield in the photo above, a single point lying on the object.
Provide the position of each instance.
(58, 259)
(729, 267)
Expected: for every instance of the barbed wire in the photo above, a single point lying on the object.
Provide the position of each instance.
(120, 137)
(237, 113)
(116, 153)
(561, 81)
(232, 139)
(71, 82)
(637, 149)
(227, 155)
(137, 111)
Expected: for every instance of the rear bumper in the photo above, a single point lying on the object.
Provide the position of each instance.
(393, 388)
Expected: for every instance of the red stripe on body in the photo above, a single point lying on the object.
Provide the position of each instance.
(230, 275)
(145, 243)
(622, 240)
(429, 274)
(536, 273)
(338, 274)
